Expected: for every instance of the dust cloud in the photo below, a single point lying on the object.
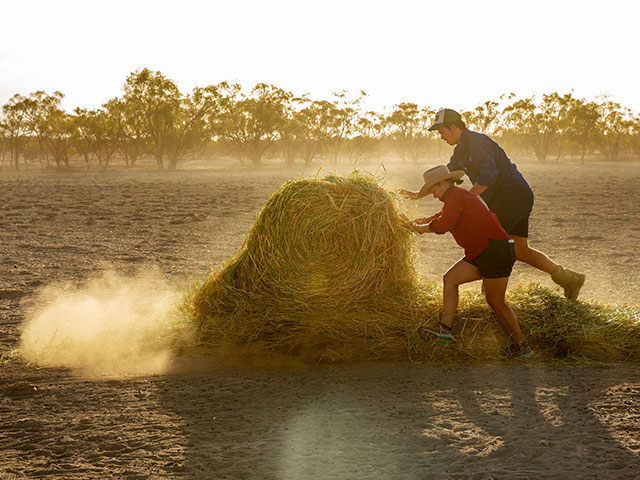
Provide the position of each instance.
(112, 325)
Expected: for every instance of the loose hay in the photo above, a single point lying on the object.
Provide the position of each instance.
(327, 274)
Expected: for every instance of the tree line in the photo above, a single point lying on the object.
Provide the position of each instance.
(153, 118)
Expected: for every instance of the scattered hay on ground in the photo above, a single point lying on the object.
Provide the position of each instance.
(327, 274)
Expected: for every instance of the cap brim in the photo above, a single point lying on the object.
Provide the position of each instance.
(435, 126)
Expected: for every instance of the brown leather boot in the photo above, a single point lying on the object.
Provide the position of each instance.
(571, 281)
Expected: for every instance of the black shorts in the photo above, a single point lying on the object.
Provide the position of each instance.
(496, 261)
(513, 208)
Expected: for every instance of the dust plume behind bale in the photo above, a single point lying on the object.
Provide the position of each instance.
(111, 325)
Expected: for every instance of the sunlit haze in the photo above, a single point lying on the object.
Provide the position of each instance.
(436, 54)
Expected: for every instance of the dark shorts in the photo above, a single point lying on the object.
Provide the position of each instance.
(513, 208)
(495, 261)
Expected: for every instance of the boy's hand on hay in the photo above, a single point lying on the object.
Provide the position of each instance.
(408, 194)
(420, 228)
(424, 220)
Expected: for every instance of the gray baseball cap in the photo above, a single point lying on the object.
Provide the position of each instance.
(446, 115)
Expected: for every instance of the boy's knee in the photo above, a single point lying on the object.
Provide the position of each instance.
(448, 281)
(495, 303)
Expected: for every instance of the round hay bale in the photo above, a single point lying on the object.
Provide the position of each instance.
(326, 272)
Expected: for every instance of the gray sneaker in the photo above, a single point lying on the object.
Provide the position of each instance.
(442, 333)
(521, 351)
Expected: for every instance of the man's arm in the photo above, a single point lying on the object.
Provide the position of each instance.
(483, 159)
(454, 163)
(478, 189)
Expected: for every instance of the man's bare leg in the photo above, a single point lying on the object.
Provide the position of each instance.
(570, 281)
(535, 258)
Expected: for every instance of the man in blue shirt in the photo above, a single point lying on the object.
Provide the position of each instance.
(505, 191)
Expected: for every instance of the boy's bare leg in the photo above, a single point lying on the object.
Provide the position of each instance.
(459, 273)
(495, 289)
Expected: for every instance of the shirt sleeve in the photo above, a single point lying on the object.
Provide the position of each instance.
(484, 161)
(454, 163)
(449, 216)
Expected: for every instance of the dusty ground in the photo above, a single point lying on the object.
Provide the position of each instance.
(369, 421)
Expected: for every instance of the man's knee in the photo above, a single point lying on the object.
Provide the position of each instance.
(523, 253)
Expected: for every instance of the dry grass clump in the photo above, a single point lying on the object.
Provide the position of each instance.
(327, 274)
(557, 328)
(577, 330)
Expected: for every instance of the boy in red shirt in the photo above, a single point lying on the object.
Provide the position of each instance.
(489, 252)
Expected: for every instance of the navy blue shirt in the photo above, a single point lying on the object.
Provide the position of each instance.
(486, 163)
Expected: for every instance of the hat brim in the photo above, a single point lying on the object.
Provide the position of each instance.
(455, 175)
(435, 126)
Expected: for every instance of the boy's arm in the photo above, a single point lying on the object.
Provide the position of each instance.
(448, 218)
(421, 228)
(408, 194)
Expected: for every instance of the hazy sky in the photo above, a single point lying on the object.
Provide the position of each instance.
(454, 53)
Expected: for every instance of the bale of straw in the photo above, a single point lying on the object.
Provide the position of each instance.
(327, 272)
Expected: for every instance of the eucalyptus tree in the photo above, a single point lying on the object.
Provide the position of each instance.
(193, 120)
(57, 133)
(83, 138)
(368, 135)
(44, 111)
(49, 124)
(339, 118)
(635, 135)
(485, 118)
(30, 118)
(129, 125)
(408, 127)
(250, 124)
(614, 128)
(538, 126)
(3, 144)
(290, 129)
(583, 123)
(157, 100)
(15, 126)
(95, 134)
(311, 124)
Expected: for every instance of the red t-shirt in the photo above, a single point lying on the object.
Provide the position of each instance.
(469, 221)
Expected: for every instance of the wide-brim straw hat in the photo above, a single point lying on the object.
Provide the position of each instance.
(437, 174)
